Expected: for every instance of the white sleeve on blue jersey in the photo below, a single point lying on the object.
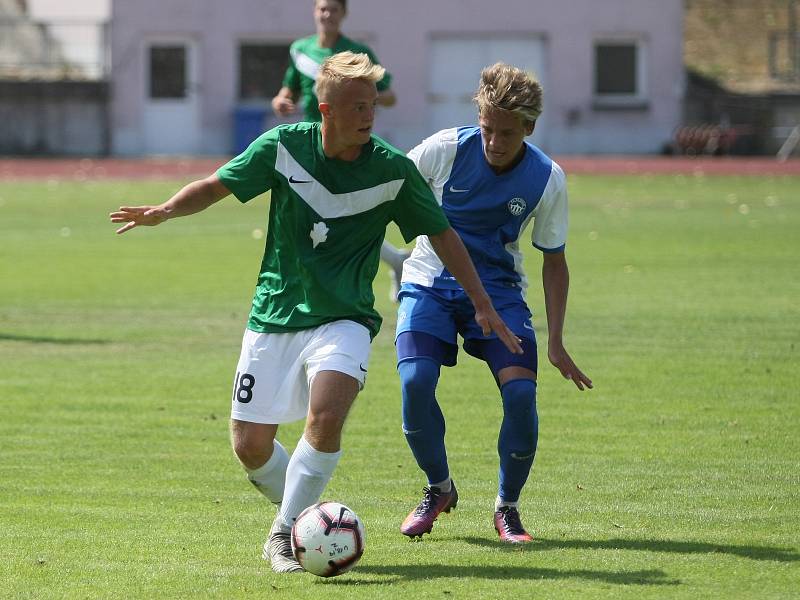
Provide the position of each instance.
(550, 215)
(434, 158)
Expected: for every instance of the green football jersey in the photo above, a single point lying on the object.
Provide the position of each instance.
(327, 220)
(305, 58)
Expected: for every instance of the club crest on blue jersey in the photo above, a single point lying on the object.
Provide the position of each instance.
(517, 206)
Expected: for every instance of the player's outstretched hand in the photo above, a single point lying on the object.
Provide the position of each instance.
(489, 321)
(133, 216)
(562, 361)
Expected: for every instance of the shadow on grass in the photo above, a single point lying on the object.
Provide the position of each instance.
(447, 571)
(35, 339)
(674, 546)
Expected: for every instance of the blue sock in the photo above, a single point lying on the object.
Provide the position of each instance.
(519, 433)
(423, 421)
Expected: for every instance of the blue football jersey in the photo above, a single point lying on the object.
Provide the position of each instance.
(490, 212)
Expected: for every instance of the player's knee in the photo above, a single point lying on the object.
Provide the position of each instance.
(519, 399)
(418, 378)
(521, 423)
(252, 443)
(419, 396)
(326, 422)
(251, 454)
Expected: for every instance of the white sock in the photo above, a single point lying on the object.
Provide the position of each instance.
(499, 502)
(270, 478)
(444, 486)
(307, 475)
(393, 256)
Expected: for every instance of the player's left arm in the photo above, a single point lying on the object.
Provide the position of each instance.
(555, 280)
(450, 249)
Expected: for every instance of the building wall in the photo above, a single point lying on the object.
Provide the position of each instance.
(54, 118)
(402, 35)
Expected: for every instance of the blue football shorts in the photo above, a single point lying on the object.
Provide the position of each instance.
(429, 321)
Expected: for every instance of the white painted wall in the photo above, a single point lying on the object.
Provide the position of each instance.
(403, 35)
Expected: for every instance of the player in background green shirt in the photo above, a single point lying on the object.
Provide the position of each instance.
(307, 54)
(305, 57)
(305, 351)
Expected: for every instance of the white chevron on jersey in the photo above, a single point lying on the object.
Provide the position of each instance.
(305, 64)
(323, 202)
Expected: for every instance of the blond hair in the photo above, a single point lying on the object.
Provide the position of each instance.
(508, 88)
(343, 67)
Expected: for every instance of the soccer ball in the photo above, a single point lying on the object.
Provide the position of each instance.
(328, 539)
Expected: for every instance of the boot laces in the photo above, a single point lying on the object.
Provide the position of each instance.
(512, 521)
(428, 500)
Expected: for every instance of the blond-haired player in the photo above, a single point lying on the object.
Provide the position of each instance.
(298, 89)
(491, 184)
(305, 352)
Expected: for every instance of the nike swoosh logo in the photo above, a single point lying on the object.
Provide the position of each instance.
(293, 180)
(362, 368)
(516, 456)
(526, 326)
(457, 191)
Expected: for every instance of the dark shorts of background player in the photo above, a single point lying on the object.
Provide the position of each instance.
(430, 319)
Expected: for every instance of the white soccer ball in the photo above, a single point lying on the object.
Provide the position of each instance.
(328, 539)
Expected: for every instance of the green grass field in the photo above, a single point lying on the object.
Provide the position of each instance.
(677, 476)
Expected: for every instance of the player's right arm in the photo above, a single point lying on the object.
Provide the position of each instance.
(192, 198)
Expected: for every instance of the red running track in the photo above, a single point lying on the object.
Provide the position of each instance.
(191, 168)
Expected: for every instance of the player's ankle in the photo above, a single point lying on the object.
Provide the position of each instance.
(443, 486)
(499, 503)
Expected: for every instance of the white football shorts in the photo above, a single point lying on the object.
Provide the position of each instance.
(275, 370)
